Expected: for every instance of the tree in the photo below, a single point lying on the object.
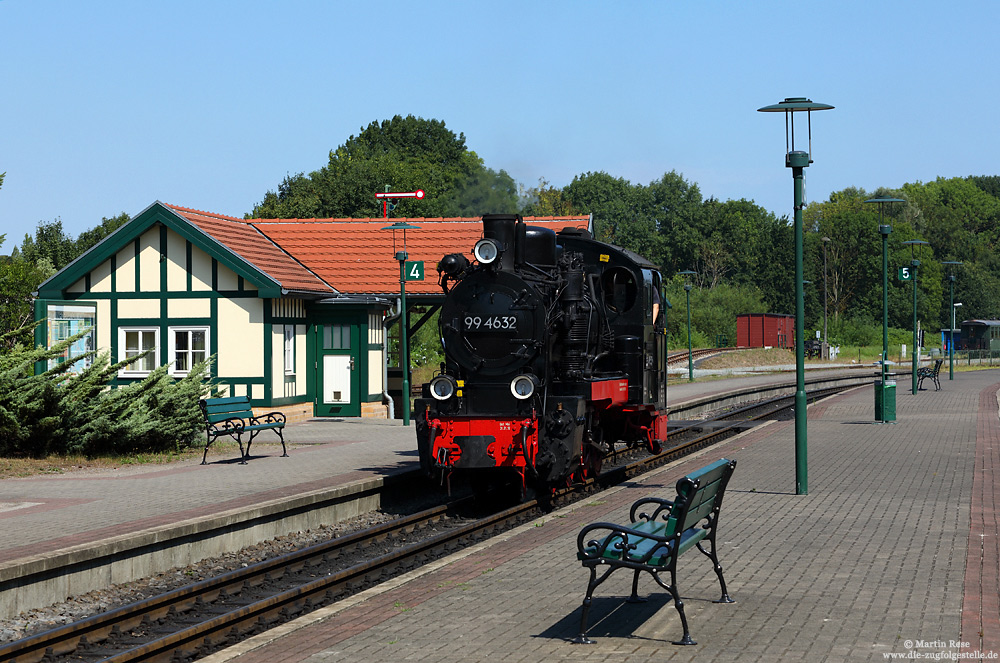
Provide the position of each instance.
(405, 154)
(50, 242)
(41, 255)
(89, 238)
(545, 200)
(680, 221)
(623, 212)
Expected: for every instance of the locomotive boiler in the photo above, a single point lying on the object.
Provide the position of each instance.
(554, 354)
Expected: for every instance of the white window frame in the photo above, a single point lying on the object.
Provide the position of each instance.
(123, 349)
(289, 349)
(172, 346)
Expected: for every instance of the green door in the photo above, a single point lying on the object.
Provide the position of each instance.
(338, 383)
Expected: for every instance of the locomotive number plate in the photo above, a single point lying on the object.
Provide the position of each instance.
(491, 323)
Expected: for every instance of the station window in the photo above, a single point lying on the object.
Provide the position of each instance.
(187, 346)
(289, 349)
(65, 321)
(134, 341)
(336, 337)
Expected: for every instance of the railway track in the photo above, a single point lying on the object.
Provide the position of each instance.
(681, 356)
(193, 621)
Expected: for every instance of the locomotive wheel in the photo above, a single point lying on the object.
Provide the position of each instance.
(655, 446)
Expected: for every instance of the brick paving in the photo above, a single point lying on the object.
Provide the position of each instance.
(894, 549)
(893, 552)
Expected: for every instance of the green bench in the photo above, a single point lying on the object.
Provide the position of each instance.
(930, 372)
(233, 417)
(654, 541)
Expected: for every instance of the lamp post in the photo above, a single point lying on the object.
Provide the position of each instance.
(826, 345)
(884, 231)
(951, 332)
(404, 352)
(687, 292)
(798, 160)
(914, 263)
(951, 346)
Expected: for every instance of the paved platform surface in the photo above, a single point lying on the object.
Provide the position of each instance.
(894, 551)
(892, 554)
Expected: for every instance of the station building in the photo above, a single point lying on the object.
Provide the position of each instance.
(296, 312)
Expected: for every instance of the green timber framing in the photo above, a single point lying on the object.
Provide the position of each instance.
(232, 284)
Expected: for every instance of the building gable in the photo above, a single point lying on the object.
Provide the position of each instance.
(162, 250)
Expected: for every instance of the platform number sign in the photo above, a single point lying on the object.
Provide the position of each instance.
(905, 273)
(414, 270)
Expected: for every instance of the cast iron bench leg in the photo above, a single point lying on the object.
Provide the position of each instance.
(678, 603)
(718, 571)
(635, 589)
(582, 639)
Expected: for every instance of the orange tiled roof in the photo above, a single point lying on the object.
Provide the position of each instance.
(243, 239)
(356, 256)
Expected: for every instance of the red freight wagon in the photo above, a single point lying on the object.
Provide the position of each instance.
(765, 330)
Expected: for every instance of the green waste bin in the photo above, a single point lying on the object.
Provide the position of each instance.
(885, 400)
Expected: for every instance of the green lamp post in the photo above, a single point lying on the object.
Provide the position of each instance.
(687, 291)
(914, 264)
(951, 332)
(884, 231)
(404, 353)
(798, 160)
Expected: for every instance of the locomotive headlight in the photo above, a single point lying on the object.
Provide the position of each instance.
(523, 386)
(486, 251)
(442, 387)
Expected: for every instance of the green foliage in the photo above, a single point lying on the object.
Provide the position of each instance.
(59, 411)
(425, 345)
(713, 311)
(18, 279)
(39, 257)
(545, 200)
(855, 332)
(405, 154)
(623, 213)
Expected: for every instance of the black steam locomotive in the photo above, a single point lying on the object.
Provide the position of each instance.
(554, 353)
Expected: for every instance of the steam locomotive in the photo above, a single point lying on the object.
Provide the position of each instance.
(554, 354)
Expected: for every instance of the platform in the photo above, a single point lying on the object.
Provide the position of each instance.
(892, 554)
(840, 584)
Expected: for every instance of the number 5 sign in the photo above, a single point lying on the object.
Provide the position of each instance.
(905, 274)
(414, 270)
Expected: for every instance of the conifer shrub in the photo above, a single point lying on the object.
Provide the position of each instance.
(60, 411)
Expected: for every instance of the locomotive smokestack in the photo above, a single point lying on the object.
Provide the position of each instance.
(501, 229)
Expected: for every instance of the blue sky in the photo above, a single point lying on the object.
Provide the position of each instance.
(108, 105)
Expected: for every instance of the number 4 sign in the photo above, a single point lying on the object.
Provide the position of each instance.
(414, 270)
